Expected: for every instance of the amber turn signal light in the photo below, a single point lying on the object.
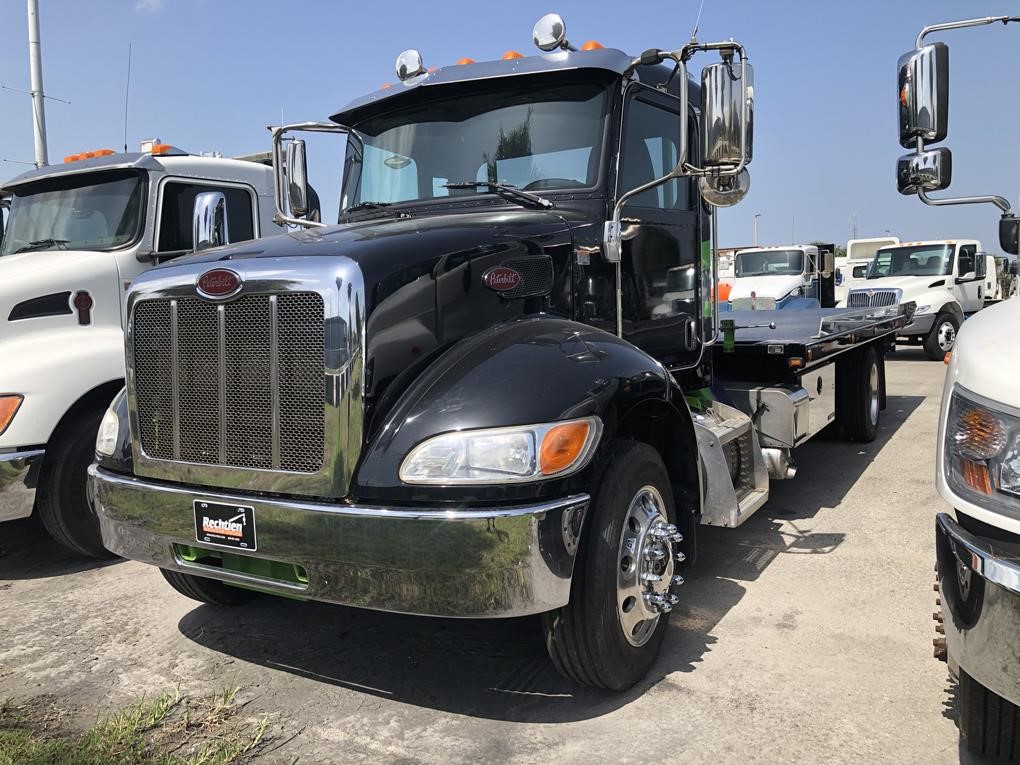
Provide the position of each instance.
(8, 408)
(561, 446)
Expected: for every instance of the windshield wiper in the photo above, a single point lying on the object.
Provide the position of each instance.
(505, 190)
(367, 206)
(39, 244)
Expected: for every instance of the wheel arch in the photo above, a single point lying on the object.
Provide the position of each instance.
(99, 396)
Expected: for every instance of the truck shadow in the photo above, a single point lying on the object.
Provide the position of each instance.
(498, 669)
(27, 552)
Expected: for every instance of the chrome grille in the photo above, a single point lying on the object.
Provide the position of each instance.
(872, 298)
(249, 376)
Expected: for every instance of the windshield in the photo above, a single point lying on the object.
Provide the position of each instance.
(769, 263)
(527, 137)
(94, 211)
(919, 260)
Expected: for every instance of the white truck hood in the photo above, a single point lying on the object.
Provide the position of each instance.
(776, 286)
(985, 357)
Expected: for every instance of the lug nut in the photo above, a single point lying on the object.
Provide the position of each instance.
(935, 586)
(680, 557)
(648, 576)
(940, 629)
(673, 599)
(677, 580)
(654, 552)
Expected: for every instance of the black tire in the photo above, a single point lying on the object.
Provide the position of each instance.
(989, 725)
(206, 590)
(586, 638)
(858, 394)
(942, 337)
(62, 500)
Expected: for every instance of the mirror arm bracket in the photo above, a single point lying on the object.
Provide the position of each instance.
(961, 25)
(998, 201)
(281, 218)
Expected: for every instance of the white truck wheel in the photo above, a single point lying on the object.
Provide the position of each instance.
(942, 337)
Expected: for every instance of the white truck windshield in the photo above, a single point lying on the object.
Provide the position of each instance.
(918, 260)
(769, 263)
(528, 138)
(94, 211)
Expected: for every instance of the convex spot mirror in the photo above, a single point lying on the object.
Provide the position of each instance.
(209, 222)
(924, 95)
(930, 170)
(297, 178)
(1009, 234)
(550, 33)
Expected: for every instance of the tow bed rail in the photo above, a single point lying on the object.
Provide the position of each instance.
(775, 345)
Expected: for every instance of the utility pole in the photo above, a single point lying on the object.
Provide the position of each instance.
(756, 216)
(35, 64)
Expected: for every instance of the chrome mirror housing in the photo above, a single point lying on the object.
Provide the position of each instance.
(550, 33)
(725, 91)
(409, 65)
(725, 190)
(923, 76)
(297, 178)
(930, 170)
(209, 221)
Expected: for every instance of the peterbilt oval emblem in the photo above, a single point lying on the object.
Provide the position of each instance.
(218, 283)
(501, 279)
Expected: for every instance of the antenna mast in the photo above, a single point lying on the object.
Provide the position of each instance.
(127, 92)
(35, 64)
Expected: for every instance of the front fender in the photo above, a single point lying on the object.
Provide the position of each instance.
(533, 370)
(54, 376)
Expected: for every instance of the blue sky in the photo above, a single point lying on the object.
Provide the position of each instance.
(211, 74)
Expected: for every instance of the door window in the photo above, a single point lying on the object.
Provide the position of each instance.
(967, 253)
(175, 220)
(650, 148)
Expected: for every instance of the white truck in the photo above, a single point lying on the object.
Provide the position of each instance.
(852, 267)
(978, 452)
(946, 279)
(76, 234)
(786, 276)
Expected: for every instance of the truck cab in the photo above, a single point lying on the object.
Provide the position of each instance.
(788, 276)
(76, 235)
(945, 278)
(852, 267)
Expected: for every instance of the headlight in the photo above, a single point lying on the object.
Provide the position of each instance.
(106, 441)
(503, 455)
(983, 453)
(922, 309)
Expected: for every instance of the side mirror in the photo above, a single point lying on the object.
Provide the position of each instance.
(828, 263)
(930, 170)
(297, 178)
(924, 95)
(1009, 235)
(209, 223)
(723, 130)
(1012, 268)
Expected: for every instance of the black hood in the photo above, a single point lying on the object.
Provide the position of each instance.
(424, 287)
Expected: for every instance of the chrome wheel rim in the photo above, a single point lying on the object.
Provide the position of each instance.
(947, 335)
(873, 403)
(646, 562)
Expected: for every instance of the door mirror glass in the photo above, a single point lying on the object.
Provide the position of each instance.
(722, 127)
(550, 33)
(828, 263)
(1009, 234)
(930, 170)
(924, 95)
(209, 225)
(297, 178)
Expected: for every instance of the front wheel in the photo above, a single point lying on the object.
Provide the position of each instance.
(988, 723)
(608, 636)
(942, 337)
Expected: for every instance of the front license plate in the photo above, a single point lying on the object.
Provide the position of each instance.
(225, 525)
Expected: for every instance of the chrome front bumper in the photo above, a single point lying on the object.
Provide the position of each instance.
(466, 562)
(921, 325)
(979, 580)
(19, 474)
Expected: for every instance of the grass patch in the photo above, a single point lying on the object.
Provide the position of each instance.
(171, 729)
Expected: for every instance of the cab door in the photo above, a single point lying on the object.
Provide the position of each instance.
(969, 284)
(661, 248)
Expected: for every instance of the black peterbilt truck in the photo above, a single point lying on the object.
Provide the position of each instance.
(499, 386)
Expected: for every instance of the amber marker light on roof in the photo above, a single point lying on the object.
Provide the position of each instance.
(512, 54)
(592, 45)
(465, 60)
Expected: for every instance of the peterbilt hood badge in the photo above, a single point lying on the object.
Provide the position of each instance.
(501, 279)
(218, 283)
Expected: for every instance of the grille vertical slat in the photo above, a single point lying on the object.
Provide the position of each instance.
(243, 381)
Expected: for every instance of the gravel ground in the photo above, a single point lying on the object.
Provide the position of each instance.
(803, 636)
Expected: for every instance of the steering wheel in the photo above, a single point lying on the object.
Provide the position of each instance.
(554, 183)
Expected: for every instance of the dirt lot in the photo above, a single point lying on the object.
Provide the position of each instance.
(803, 636)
